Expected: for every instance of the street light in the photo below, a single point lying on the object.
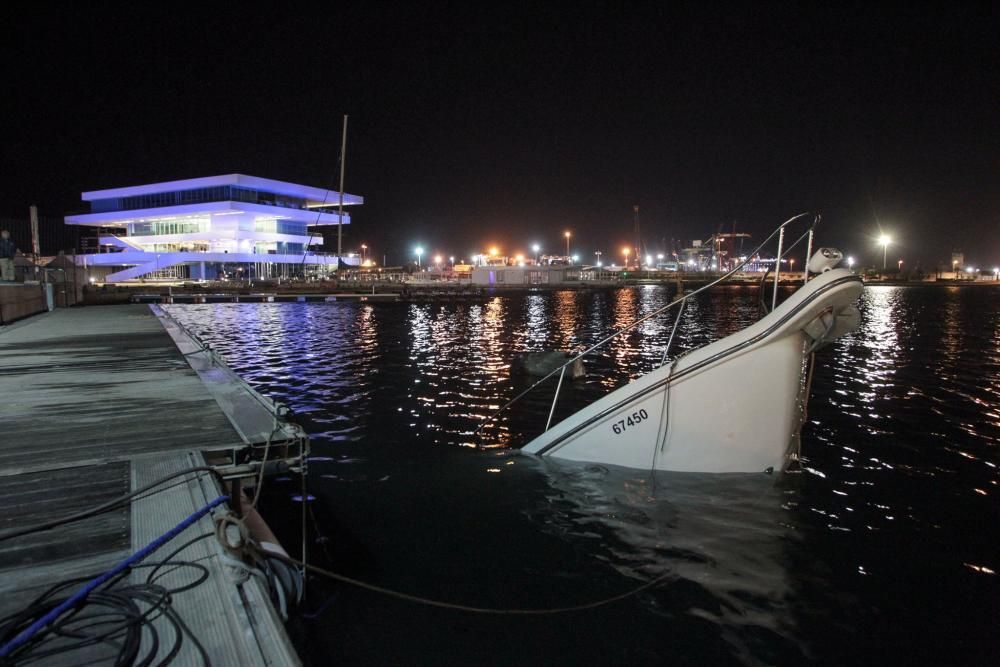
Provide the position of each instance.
(850, 262)
(884, 240)
(437, 261)
(899, 267)
(419, 251)
(625, 252)
(598, 253)
(536, 248)
(364, 252)
(567, 243)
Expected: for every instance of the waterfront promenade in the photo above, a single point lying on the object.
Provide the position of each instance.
(96, 403)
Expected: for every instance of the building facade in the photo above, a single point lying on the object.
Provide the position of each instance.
(213, 227)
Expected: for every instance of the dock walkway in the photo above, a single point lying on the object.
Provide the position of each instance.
(98, 402)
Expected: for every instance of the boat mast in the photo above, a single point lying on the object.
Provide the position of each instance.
(340, 206)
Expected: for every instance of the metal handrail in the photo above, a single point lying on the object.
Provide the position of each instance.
(777, 261)
(561, 369)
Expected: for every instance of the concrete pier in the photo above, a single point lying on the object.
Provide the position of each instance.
(95, 403)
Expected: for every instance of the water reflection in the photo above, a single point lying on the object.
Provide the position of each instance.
(722, 537)
(903, 449)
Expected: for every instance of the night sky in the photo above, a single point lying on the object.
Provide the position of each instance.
(472, 126)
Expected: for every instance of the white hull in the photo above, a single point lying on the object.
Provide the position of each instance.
(732, 406)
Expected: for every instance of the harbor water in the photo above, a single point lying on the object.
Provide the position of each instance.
(886, 547)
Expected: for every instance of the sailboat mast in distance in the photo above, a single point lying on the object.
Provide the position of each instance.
(638, 241)
(340, 207)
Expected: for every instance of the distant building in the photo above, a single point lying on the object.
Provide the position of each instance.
(519, 276)
(204, 228)
(957, 261)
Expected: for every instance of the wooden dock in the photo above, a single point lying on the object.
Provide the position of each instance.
(97, 402)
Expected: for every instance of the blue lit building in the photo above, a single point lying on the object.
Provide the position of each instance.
(203, 228)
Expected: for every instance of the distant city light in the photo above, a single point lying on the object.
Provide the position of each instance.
(884, 241)
(649, 260)
(970, 270)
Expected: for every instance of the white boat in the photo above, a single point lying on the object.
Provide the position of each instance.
(688, 415)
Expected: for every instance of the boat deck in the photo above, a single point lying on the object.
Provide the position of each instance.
(100, 401)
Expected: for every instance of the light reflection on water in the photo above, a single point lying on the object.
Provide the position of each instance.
(893, 538)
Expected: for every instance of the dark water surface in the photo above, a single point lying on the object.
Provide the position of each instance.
(886, 549)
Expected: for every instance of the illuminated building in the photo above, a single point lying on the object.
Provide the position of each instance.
(202, 228)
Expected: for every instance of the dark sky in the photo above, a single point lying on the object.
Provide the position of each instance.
(471, 126)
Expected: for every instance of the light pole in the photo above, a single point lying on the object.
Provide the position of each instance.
(419, 251)
(364, 253)
(625, 252)
(885, 241)
(900, 266)
(598, 253)
(567, 243)
(536, 248)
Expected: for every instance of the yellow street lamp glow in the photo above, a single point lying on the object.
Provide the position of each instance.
(494, 252)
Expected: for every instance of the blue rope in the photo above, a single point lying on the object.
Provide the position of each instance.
(38, 625)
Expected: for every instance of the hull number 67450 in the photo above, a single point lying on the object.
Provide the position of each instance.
(633, 419)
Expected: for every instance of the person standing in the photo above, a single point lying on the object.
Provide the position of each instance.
(7, 252)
